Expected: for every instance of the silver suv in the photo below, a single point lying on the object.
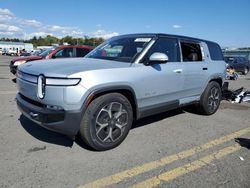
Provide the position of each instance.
(126, 78)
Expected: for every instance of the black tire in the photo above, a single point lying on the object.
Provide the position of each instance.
(107, 121)
(210, 99)
(246, 69)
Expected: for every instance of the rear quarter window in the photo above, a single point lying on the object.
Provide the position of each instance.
(215, 51)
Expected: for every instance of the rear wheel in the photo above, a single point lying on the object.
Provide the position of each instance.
(107, 121)
(210, 99)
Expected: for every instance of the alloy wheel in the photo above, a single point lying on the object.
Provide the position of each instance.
(245, 70)
(110, 122)
(213, 99)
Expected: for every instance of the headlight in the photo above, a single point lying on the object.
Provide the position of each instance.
(19, 63)
(62, 81)
(42, 82)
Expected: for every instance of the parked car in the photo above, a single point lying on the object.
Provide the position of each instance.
(240, 64)
(12, 52)
(65, 51)
(4, 51)
(124, 79)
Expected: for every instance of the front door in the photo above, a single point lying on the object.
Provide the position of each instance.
(162, 84)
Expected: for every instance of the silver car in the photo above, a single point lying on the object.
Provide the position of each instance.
(124, 79)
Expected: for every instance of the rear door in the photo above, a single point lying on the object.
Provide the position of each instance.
(241, 64)
(195, 67)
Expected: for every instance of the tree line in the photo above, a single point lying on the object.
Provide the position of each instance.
(51, 40)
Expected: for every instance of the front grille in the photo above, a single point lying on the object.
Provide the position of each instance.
(36, 103)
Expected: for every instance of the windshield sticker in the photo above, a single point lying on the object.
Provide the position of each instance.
(142, 39)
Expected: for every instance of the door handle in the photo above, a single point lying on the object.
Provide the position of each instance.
(204, 68)
(178, 71)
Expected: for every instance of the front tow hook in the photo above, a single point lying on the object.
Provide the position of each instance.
(33, 115)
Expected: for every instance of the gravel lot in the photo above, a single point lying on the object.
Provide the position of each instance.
(32, 156)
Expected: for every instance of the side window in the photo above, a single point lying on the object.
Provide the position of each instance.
(242, 60)
(81, 52)
(215, 51)
(167, 46)
(191, 51)
(63, 53)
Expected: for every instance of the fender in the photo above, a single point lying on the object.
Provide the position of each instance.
(214, 77)
(123, 89)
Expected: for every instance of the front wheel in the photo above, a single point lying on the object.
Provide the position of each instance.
(245, 71)
(107, 121)
(210, 99)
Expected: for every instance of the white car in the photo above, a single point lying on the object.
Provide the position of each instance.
(11, 52)
(126, 78)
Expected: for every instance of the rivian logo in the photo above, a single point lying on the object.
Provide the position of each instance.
(41, 83)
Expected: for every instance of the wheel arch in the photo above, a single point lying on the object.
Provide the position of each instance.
(127, 91)
(219, 80)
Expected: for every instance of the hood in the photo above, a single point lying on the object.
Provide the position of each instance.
(28, 58)
(68, 66)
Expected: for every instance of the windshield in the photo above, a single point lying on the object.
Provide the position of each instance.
(120, 49)
(46, 52)
(36, 53)
(229, 59)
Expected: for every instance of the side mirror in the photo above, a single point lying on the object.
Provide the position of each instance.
(158, 58)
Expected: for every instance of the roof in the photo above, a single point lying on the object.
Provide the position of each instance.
(165, 35)
(76, 46)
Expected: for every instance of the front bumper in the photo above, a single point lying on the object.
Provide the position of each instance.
(61, 121)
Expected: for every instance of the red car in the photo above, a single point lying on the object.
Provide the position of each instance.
(65, 51)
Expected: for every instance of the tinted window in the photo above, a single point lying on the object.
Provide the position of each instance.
(166, 46)
(215, 51)
(66, 52)
(191, 51)
(243, 60)
(81, 52)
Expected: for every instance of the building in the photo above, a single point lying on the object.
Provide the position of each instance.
(16, 46)
(237, 52)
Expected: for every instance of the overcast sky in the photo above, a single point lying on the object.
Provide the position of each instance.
(224, 21)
